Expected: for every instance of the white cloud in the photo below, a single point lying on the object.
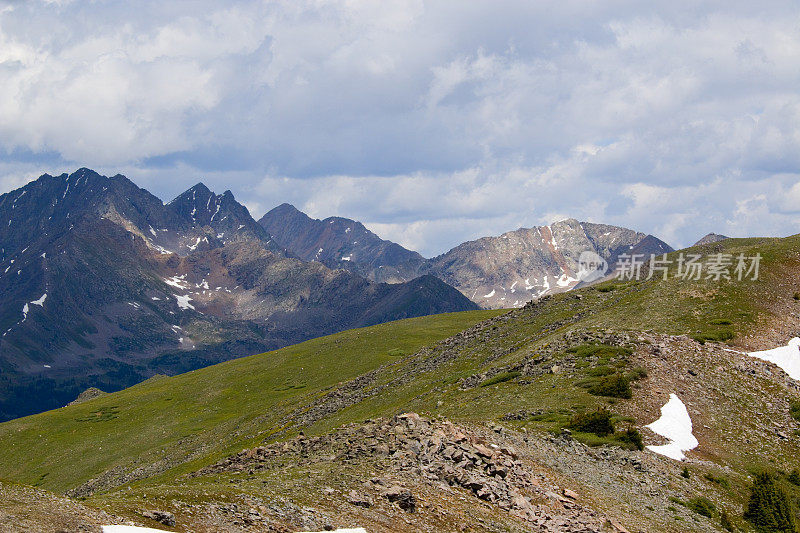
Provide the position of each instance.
(432, 121)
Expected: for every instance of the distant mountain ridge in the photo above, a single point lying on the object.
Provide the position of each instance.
(341, 243)
(495, 272)
(103, 285)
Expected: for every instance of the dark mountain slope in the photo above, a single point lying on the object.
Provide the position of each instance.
(102, 285)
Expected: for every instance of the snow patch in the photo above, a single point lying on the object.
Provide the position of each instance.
(787, 357)
(545, 286)
(132, 529)
(676, 425)
(565, 281)
(177, 281)
(183, 301)
(194, 246)
(346, 258)
(490, 294)
(40, 301)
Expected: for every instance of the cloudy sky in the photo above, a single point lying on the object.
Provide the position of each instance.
(431, 122)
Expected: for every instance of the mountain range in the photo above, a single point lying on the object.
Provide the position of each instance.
(494, 272)
(103, 285)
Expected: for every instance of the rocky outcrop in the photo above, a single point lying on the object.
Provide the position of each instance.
(89, 394)
(711, 238)
(162, 517)
(418, 451)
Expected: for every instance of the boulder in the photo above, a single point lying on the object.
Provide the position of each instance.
(163, 517)
(402, 497)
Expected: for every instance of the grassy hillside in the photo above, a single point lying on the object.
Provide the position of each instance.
(165, 420)
(533, 370)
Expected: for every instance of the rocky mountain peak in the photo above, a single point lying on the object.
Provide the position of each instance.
(197, 204)
(341, 243)
(710, 239)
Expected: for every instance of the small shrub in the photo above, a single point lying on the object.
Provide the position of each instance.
(769, 509)
(725, 521)
(598, 422)
(702, 506)
(637, 373)
(501, 378)
(600, 371)
(397, 352)
(717, 336)
(606, 288)
(794, 478)
(796, 296)
(685, 473)
(600, 350)
(615, 386)
(721, 322)
(719, 480)
(632, 438)
(794, 409)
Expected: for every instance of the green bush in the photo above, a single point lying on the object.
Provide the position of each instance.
(725, 521)
(702, 506)
(606, 288)
(500, 378)
(600, 350)
(632, 439)
(637, 373)
(717, 336)
(796, 296)
(600, 371)
(598, 422)
(794, 409)
(615, 386)
(719, 480)
(685, 473)
(397, 352)
(769, 509)
(794, 478)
